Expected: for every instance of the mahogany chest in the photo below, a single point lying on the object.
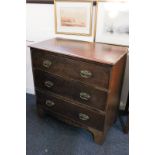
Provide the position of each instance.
(79, 82)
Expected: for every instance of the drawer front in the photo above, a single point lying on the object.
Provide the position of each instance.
(71, 89)
(89, 73)
(73, 112)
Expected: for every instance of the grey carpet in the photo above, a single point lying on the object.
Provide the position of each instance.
(49, 136)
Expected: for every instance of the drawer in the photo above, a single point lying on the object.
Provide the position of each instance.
(73, 112)
(71, 89)
(89, 73)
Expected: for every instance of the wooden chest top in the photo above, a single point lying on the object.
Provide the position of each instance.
(97, 52)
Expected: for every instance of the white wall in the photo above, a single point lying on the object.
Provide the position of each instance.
(29, 77)
(40, 21)
(39, 26)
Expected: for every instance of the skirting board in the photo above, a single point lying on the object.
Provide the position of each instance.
(30, 91)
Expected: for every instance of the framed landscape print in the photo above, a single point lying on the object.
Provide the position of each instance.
(113, 23)
(73, 18)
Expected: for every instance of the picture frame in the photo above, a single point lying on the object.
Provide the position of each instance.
(113, 23)
(73, 17)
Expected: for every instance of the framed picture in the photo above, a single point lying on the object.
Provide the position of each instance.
(113, 23)
(73, 17)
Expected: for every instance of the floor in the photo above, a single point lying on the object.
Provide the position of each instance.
(48, 136)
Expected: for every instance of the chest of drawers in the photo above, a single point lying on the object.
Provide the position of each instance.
(79, 82)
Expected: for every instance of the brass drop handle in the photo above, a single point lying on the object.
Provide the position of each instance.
(83, 117)
(48, 84)
(47, 63)
(84, 96)
(85, 74)
(49, 103)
